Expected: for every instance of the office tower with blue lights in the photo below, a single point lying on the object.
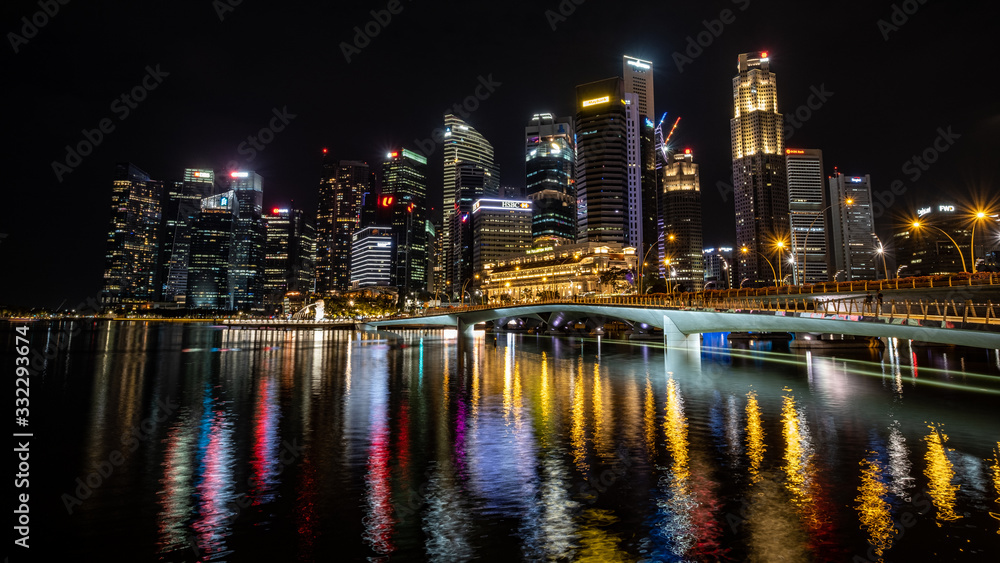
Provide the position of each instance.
(602, 162)
(852, 227)
(550, 178)
(759, 180)
(373, 253)
(470, 181)
(289, 256)
(132, 256)
(214, 233)
(344, 185)
(463, 145)
(806, 206)
(682, 239)
(183, 202)
(246, 269)
(404, 178)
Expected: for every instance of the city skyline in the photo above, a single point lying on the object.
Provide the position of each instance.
(159, 134)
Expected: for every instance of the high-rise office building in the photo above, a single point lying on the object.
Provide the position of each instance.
(464, 145)
(470, 181)
(404, 178)
(289, 256)
(682, 238)
(638, 76)
(806, 202)
(501, 227)
(852, 228)
(132, 258)
(439, 273)
(602, 161)
(759, 179)
(927, 251)
(213, 243)
(182, 204)
(372, 256)
(718, 273)
(550, 182)
(246, 270)
(343, 187)
(634, 169)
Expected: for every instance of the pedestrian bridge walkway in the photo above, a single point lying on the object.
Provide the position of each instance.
(683, 320)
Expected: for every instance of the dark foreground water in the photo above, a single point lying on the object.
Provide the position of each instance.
(191, 443)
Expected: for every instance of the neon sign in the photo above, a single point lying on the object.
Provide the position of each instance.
(595, 101)
(235, 174)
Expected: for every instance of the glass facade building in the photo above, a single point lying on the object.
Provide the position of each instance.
(550, 178)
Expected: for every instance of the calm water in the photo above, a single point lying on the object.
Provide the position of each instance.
(254, 445)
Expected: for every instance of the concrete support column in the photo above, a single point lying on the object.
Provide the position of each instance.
(464, 328)
(682, 356)
(674, 338)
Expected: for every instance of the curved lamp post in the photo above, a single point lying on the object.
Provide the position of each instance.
(774, 275)
(881, 251)
(979, 216)
(918, 224)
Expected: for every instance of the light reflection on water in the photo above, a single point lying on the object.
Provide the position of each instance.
(526, 447)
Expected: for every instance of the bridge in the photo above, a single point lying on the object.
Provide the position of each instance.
(684, 319)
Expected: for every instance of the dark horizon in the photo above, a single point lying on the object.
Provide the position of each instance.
(880, 97)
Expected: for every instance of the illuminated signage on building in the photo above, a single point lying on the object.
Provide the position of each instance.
(503, 204)
(279, 211)
(595, 101)
(239, 174)
(638, 63)
(856, 180)
(199, 174)
(224, 201)
(923, 211)
(795, 151)
(946, 208)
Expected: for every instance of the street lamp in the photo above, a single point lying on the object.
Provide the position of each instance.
(918, 224)
(900, 269)
(881, 250)
(462, 302)
(642, 274)
(781, 246)
(979, 216)
(805, 240)
(745, 250)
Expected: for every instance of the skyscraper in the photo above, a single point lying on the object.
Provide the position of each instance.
(246, 269)
(682, 236)
(404, 177)
(289, 256)
(183, 203)
(210, 260)
(759, 180)
(470, 180)
(501, 227)
(464, 145)
(550, 183)
(638, 75)
(806, 202)
(131, 265)
(343, 186)
(372, 252)
(633, 204)
(852, 238)
(601, 165)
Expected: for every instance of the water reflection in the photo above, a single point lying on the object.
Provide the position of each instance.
(873, 508)
(940, 475)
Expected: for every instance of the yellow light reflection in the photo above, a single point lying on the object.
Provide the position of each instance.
(796, 455)
(940, 475)
(596, 544)
(675, 428)
(649, 419)
(577, 437)
(755, 436)
(995, 470)
(873, 510)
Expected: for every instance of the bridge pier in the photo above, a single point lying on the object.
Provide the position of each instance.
(674, 338)
(464, 328)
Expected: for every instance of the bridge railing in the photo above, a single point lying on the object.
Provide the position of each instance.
(945, 311)
(918, 282)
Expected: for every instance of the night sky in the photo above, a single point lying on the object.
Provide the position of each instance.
(221, 78)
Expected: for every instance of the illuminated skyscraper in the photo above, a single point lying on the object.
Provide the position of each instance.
(759, 180)
(806, 200)
(501, 227)
(372, 255)
(343, 186)
(638, 76)
(183, 203)
(684, 262)
(210, 261)
(852, 228)
(464, 145)
(246, 269)
(470, 180)
(602, 161)
(642, 188)
(289, 256)
(550, 170)
(132, 257)
(404, 177)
